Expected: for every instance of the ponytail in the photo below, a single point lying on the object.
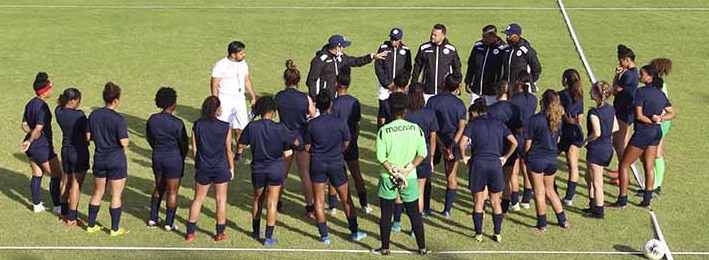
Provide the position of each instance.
(68, 95)
(603, 89)
(551, 105)
(572, 80)
(291, 76)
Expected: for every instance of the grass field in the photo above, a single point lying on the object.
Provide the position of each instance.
(142, 45)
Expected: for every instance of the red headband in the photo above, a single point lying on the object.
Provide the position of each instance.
(44, 89)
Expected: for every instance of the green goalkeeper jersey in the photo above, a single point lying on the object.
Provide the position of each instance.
(399, 142)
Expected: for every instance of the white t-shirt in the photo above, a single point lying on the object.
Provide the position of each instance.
(233, 77)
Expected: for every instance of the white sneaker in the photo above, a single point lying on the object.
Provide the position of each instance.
(367, 209)
(524, 205)
(170, 228)
(57, 210)
(39, 208)
(332, 211)
(568, 202)
(515, 207)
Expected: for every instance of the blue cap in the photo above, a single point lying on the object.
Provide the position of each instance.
(513, 28)
(396, 34)
(338, 40)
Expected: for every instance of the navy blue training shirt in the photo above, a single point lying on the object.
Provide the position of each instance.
(543, 140)
(487, 137)
(326, 133)
(572, 108)
(268, 140)
(347, 108)
(73, 123)
(210, 135)
(605, 115)
(107, 128)
(425, 119)
(37, 113)
(449, 110)
(166, 134)
(653, 101)
(292, 108)
(526, 104)
(623, 102)
(502, 110)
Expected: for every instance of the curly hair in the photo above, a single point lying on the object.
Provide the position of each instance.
(551, 105)
(165, 97)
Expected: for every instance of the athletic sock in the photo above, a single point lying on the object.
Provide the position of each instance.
(170, 216)
(526, 195)
(599, 211)
(353, 225)
(36, 188)
(450, 198)
(591, 203)
(570, 190)
(514, 197)
(93, 213)
(154, 207)
(309, 208)
(659, 171)
(541, 221)
(561, 218)
(478, 222)
(427, 196)
(322, 229)
(398, 210)
(269, 231)
(505, 205)
(220, 228)
(54, 184)
(497, 223)
(256, 226)
(362, 199)
(64, 206)
(623, 200)
(72, 214)
(647, 196)
(115, 218)
(332, 201)
(191, 226)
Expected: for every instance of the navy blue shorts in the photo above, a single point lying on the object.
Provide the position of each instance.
(570, 136)
(267, 174)
(352, 151)
(205, 178)
(437, 155)
(643, 139)
(75, 160)
(41, 154)
(423, 171)
(383, 111)
(168, 166)
(484, 172)
(599, 153)
(517, 152)
(108, 171)
(321, 171)
(543, 165)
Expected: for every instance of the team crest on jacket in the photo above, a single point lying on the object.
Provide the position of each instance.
(446, 51)
(402, 52)
(495, 51)
(519, 53)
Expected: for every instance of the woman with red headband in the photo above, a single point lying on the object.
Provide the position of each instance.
(37, 124)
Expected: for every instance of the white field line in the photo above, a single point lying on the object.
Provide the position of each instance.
(451, 8)
(295, 250)
(656, 224)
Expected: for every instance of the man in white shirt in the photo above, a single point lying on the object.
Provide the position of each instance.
(230, 78)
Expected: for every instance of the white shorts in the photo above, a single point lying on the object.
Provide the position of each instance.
(489, 99)
(234, 111)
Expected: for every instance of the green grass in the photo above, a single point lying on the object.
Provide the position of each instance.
(142, 49)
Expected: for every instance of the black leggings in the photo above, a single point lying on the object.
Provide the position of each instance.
(412, 211)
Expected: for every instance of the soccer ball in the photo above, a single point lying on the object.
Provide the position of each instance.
(654, 249)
